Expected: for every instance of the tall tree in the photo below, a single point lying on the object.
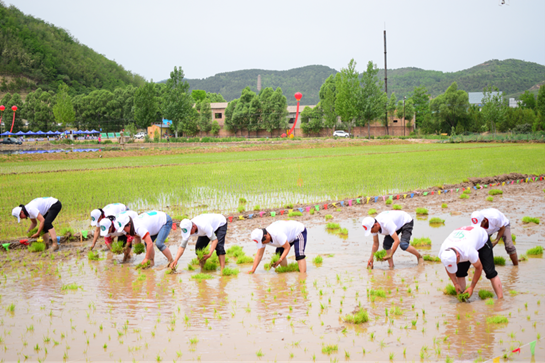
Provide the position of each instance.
(450, 108)
(312, 120)
(177, 102)
(230, 121)
(371, 104)
(494, 108)
(528, 100)
(63, 110)
(255, 119)
(145, 105)
(205, 116)
(421, 103)
(278, 119)
(328, 97)
(348, 95)
(540, 108)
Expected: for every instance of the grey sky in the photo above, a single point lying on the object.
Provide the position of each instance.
(209, 37)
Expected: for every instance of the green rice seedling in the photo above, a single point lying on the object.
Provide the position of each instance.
(422, 211)
(190, 267)
(234, 251)
(332, 225)
(444, 205)
(344, 231)
(318, 260)
(467, 191)
(273, 260)
(202, 252)
(513, 292)
(72, 286)
(489, 199)
(11, 308)
(33, 231)
(378, 293)
(437, 220)
(289, 205)
(244, 259)
(396, 311)
(523, 257)
(241, 209)
(485, 294)
(37, 247)
(230, 271)
(430, 258)
(489, 301)
(359, 317)
(513, 237)
(463, 296)
(530, 220)
(328, 217)
(464, 196)
(421, 242)
(117, 248)
(93, 256)
(397, 207)
(292, 267)
(372, 211)
(495, 192)
(537, 250)
(142, 266)
(499, 261)
(295, 213)
(388, 201)
(257, 208)
(242, 201)
(312, 211)
(330, 348)
(66, 230)
(380, 254)
(498, 319)
(201, 276)
(450, 290)
(139, 248)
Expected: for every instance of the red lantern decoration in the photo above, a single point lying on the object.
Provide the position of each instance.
(14, 108)
(298, 96)
(2, 108)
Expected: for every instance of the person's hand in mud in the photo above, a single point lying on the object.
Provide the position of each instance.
(370, 264)
(388, 255)
(206, 257)
(458, 288)
(469, 291)
(173, 264)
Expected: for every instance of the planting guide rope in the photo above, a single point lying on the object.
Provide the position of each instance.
(366, 199)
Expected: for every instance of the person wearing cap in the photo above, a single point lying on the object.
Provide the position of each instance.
(468, 246)
(209, 229)
(391, 224)
(43, 210)
(282, 235)
(98, 214)
(109, 232)
(149, 227)
(494, 221)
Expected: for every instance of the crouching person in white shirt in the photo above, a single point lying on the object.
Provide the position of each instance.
(43, 210)
(494, 221)
(282, 235)
(210, 229)
(468, 246)
(108, 231)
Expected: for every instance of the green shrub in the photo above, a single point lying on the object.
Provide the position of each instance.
(333, 225)
(444, 205)
(372, 211)
(450, 290)
(499, 261)
(244, 259)
(495, 192)
(37, 247)
(230, 271)
(498, 319)
(422, 211)
(430, 258)
(358, 318)
(318, 260)
(295, 214)
(421, 242)
(537, 250)
(530, 220)
(464, 196)
(436, 220)
(139, 248)
(489, 199)
(397, 207)
(328, 217)
(485, 294)
(380, 254)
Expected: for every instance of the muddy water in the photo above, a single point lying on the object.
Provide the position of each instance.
(121, 314)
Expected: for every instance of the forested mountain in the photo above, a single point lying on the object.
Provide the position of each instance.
(36, 54)
(511, 76)
(306, 80)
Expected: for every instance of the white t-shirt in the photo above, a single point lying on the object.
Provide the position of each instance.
(114, 209)
(131, 214)
(207, 224)
(282, 232)
(39, 206)
(150, 222)
(496, 220)
(467, 241)
(392, 221)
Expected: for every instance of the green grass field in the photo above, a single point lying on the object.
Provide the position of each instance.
(195, 183)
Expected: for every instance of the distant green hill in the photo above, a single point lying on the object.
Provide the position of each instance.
(34, 53)
(511, 76)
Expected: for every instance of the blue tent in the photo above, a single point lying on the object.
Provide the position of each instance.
(7, 133)
(20, 133)
(29, 133)
(39, 133)
(50, 133)
(58, 133)
(94, 132)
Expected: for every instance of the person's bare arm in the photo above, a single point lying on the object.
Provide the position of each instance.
(373, 250)
(149, 248)
(454, 280)
(257, 259)
(213, 245)
(476, 276)
(179, 254)
(499, 236)
(286, 247)
(95, 236)
(33, 224)
(40, 219)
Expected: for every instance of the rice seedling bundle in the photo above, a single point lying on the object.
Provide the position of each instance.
(117, 248)
(450, 290)
(485, 294)
(93, 256)
(201, 276)
(378, 293)
(358, 318)
(318, 260)
(421, 211)
(142, 266)
(489, 199)
(537, 250)
(330, 348)
(464, 296)
(333, 225)
(257, 208)
(139, 248)
(495, 192)
(437, 220)
(295, 214)
(230, 271)
(530, 220)
(328, 217)
(202, 252)
(33, 231)
(344, 231)
(498, 319)
(464, 196)
(244, 259)
(388, 201)
(273, 260)
(421, 242)
(444, 205)
(467, 191)
(430, 258)
(72, 286)
(372, 211)
(380, 254)
(499, 261)
(234, 251)
(397, 207)
(291, 267)
(37, 247)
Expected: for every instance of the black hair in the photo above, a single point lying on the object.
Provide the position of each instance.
(131, 231)
(23, 208)
(264, 234)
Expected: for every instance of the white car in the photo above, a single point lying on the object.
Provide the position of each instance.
(140, 135)
(341, 133)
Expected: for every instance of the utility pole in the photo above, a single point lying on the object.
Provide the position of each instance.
(404, 98)
(385, 84)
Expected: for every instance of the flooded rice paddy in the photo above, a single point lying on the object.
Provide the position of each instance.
(73, 309)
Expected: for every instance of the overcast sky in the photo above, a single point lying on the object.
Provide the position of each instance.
(208, 37)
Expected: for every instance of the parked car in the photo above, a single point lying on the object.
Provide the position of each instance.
(140, 135)
(11, 140)
(341, 133)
